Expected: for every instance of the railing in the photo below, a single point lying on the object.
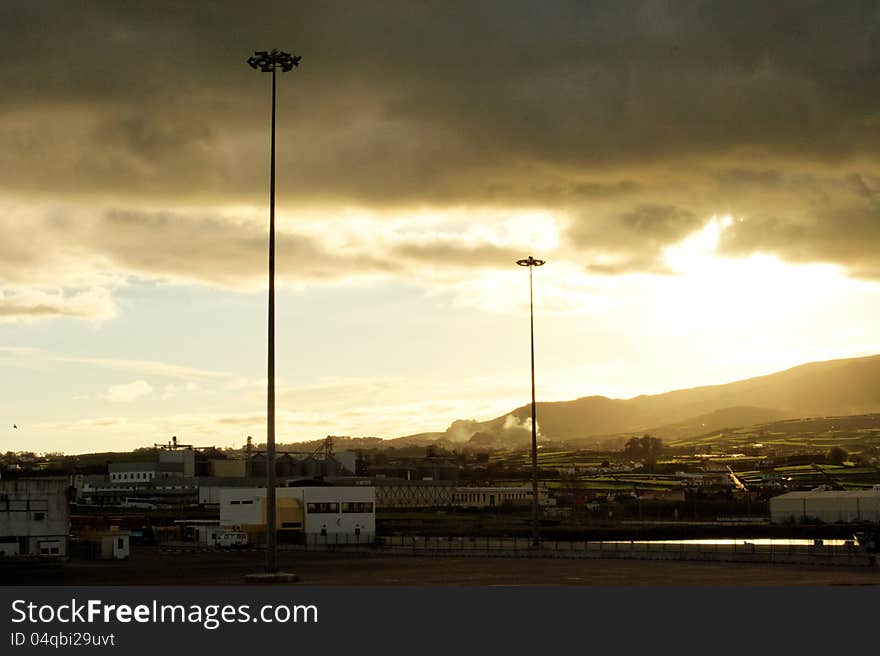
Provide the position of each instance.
(512, 546)
(742, 550)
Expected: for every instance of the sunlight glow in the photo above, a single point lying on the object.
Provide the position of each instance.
(698, 250)
(732, 293)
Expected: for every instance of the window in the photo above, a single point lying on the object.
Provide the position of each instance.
(54, 550)
(357, 507)
(322, 507)
(234, 503)
(247, 502)
(39, 516)
(120, 543)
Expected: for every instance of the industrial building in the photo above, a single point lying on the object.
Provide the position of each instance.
(138, 493)
(313, 513)
(184, 475)
(34, 517)
(401, 493)
(828, 506)
(493, 497)
(142, 472)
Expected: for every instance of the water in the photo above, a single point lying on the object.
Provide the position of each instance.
(775, 542)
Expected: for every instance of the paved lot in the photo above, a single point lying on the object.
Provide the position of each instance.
(149, 566)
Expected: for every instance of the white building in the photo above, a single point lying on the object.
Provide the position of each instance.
(34, 517)
(114, 545)
(827, 506)
(142, 472)
(143, 493)
(334, 514)
(491, 497)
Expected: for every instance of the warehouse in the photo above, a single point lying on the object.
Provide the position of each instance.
(828, 506)
(315, 513)
(401, 493)
(142, 472)
(34, 517)
(492, 497)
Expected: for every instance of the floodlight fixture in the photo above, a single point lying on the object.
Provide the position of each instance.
(267, 62)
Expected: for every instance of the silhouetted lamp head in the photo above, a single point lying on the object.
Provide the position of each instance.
(531, 262)
(269, 61)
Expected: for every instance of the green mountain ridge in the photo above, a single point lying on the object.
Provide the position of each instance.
(817, 389)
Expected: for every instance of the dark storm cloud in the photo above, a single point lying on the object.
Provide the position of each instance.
(633, 240)
(447, 252)
(223, 251)
(88, 249)
(214, 250)
(841, 226)
(596, 109)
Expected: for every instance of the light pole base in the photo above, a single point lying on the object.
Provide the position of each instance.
(271, 577)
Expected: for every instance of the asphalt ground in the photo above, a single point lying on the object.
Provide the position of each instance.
(150, 566)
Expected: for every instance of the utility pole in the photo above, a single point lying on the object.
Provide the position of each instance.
(536, 541)
(270, 62)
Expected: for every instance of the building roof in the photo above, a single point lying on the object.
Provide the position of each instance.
(145, 466)
(492, 488)
(24, 484)
(102, 482)
(380, 482)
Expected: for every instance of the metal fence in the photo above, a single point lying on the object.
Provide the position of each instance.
(499, 544)
(512, 547)
(848, 554)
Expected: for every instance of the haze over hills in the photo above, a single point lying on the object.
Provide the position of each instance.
(832, 388)
(835, 387)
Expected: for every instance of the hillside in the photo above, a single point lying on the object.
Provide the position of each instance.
(856, 434)
(830, 388)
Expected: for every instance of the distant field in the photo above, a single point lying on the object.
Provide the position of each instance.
(856, 434)
(750, 452)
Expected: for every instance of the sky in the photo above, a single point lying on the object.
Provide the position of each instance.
(701, 177)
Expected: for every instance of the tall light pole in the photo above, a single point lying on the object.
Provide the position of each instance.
(532, 262)
(270, 62)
